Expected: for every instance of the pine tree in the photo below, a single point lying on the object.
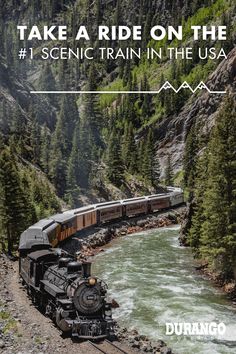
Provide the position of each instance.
(168, 172)
(35, 141)
(191, 148)
(45, 140)
(47, 82)
(141, 152)
(196, 205)
(118, 14)
(84, 152)
(46, 79)
(60, 151)
(150, 163)
(58, 168)
(73, 171)
(163, 92)
(218, 238)
(147, 100)
(18, 131)
(115, 170)
(15, 208)
(155, 177)
(129, 153)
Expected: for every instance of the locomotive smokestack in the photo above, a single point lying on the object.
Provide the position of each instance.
(86, 269)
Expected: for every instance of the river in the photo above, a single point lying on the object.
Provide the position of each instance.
(154, 281)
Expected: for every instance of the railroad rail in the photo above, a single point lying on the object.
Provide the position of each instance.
(108, 347)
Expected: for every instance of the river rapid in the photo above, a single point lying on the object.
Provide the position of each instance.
(154, 281)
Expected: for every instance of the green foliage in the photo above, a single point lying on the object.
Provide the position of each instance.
(115, 170)
(191, 149)
(149, 164)
(16, 208)
(169, 172)
(213, 229)
(218, 239)
(47, 82)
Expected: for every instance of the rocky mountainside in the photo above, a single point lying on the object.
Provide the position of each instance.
(201, 109)
(15, 94)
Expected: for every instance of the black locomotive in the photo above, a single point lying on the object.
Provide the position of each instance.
(64, 289)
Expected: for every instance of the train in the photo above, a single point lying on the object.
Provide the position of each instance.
(60, 227)
(64, 290)
(63, 287)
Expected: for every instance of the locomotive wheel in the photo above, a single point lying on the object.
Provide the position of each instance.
(60, 321)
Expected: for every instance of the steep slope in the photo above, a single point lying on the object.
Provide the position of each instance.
(15, 94)
(202, 107)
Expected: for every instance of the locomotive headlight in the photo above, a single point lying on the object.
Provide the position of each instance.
(92, 281)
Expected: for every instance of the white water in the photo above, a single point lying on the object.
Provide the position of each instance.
(154, 282)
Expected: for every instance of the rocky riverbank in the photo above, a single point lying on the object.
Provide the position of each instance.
(228, 287)
(202, 266)
(142, 343)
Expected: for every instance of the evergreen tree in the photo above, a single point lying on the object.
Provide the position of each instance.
(147, 99)
(84, 152)
(197, 214)
(15, 209)
(115, 170)
(151, 167)
(45, 140)
(129, 154)
(168, 172)
(73, 171)
(58, 168)
(18, 131)
(118, 14)
(35, 141)
(218, 238)
(141, 152)
(46, 79)
(191, 148)
(60, 151)
(47, 82)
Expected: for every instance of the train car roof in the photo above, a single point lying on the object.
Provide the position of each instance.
(42, 224)
(32, 237)
(80, 210)
(83, 209)
(109, 206)
(63, 218)
(42, 255)
(105, 204)
(134, 199)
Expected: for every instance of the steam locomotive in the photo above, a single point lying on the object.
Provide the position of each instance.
(64, 290)
(63, 287)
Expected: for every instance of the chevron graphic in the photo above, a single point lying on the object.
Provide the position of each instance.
(166, 86)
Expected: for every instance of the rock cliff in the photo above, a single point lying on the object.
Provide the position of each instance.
(201, 108)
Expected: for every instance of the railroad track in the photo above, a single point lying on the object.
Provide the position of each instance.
(107, 347)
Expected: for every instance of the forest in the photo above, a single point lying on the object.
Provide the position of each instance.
(61, 151)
